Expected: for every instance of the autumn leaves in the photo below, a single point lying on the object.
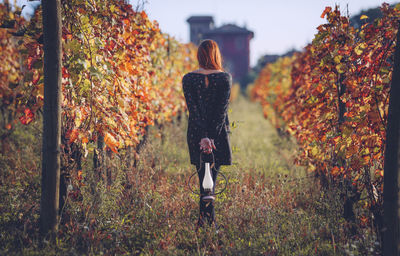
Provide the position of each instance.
(120, 72)
(333, 98)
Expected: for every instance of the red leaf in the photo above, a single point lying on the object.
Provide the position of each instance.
(28, 117)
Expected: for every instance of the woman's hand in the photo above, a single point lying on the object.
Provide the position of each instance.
(207, 145)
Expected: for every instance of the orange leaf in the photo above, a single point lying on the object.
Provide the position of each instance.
(72, 135)
(36, 76)
(85, 140)
(144, 15)
(335, 170)
(126, 21)
(111, 142)
(79, 175)
(379, 172)
(327, 10)
(366, 159)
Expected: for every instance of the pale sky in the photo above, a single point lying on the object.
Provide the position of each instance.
(278, 25)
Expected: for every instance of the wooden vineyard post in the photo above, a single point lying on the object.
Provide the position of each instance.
(390, 232)
(51, 116)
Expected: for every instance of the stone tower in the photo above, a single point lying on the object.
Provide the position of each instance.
(198, 26)
(233, 41)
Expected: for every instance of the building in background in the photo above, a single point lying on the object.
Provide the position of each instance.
(233, 41)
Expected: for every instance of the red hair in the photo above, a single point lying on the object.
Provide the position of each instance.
(209, 56)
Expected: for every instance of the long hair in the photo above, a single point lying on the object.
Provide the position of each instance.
(209, 56)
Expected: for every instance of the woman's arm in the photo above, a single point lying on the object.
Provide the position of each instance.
(222, 101)
(193, 107)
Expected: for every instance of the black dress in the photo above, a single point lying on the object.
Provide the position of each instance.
(208, 115)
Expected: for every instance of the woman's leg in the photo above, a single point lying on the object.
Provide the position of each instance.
(214, 176)
(207, 212)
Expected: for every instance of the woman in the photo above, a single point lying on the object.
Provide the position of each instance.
(207, 91)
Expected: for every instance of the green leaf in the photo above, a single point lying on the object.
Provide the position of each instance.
(93, 70)
(84, 19)
(73, 45)
(384, 70)
(84, 86)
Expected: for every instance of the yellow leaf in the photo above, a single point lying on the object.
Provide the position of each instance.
(40, 91)
(340, 68)
(78, 118)
(360, 48)
(337, 59)
(314, 151)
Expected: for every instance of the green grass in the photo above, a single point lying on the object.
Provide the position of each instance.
(256, 147)
(269, 208)
(259, 148)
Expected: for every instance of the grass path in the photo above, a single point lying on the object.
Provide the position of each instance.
(149, 210)
(258, 146)
(255, 144)
(265, 210)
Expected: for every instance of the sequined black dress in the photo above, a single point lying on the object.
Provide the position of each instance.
(208, 115)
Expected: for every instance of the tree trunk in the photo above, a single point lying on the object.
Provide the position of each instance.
(51, 116)
(98, 157)
(141, 144)
(390, 232)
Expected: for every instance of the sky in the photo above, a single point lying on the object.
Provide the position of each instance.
(278, 25)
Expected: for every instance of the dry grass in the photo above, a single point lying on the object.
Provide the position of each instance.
(269, 207)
